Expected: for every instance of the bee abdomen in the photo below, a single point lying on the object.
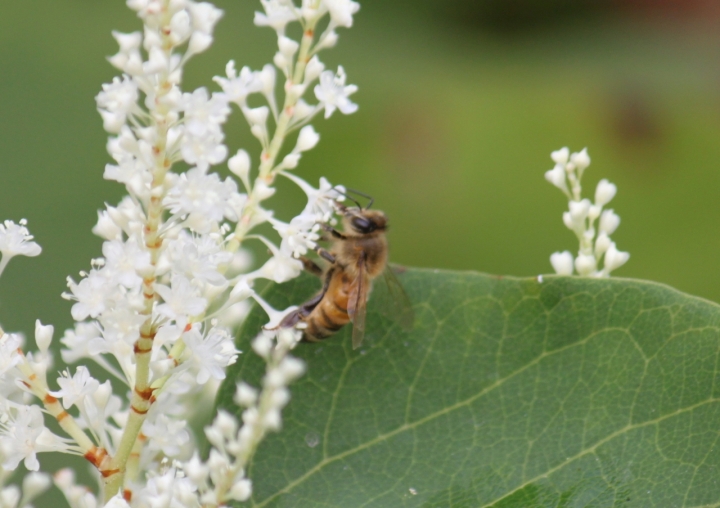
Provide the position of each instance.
(326, 319)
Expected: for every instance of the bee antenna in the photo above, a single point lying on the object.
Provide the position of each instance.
(350, 198)
(372, 199)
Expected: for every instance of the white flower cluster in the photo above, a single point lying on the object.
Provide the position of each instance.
(595, 246)
(156, 311)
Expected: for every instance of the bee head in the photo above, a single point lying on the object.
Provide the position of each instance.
(365, 221)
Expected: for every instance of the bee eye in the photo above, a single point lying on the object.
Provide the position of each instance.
(362, 225)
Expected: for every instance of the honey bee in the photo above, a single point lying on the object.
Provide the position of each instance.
(359, 255)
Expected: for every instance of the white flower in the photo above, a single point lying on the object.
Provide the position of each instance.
(238, 87)
(278, 14)
(298, 236)
(77, 341)
(333, 93)
(281, 267)
(125, 261)
(204, 16)
(199, 257)
(203, 113)
(203, 198)
(181, 299)
(562, 262)
(116, 101)
(92, 294)
(16, 240)
(73, 390)
(321, 201)
(210, 354)
(341, 11)
(166, 435)
(23, 436)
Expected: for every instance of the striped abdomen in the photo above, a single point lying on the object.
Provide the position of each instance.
(331, 313)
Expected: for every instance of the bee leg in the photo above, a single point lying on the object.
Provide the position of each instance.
(325, 255)
(310, 266)
(334, 232)
(290, 320)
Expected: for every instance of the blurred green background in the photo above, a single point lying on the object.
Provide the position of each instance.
(461, 103)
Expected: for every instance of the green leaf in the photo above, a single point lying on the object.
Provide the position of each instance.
(508, 393)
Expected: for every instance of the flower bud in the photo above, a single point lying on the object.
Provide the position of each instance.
(291, 160)
(604, 192)
(292, 368)
(585, 264)
(562, 262)
(10, 496)
(199, 42)
(245, 395)
(328, 41)
(257, 116)
(609, 221)
(127, 42)
(614, 258)
(602, 243)
(307, 139)
(196, 470)
(180, 26)
(226, 424)
(35, 484)
(239, 164)
(241, 490)
(313, 69)
(556, 176)
(579, 210)
(43, 335)
(581, 159)
(280, 61)
(561, 156)
(262, 191)
(106, 227)
(567, 220)
(241, 291)
(302, 110)
(287, 46)
(273, 420)
(102, 394)
(262, 345)
(267, 78)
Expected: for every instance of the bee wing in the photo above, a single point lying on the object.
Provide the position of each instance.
(395, 304)
(357, 303)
